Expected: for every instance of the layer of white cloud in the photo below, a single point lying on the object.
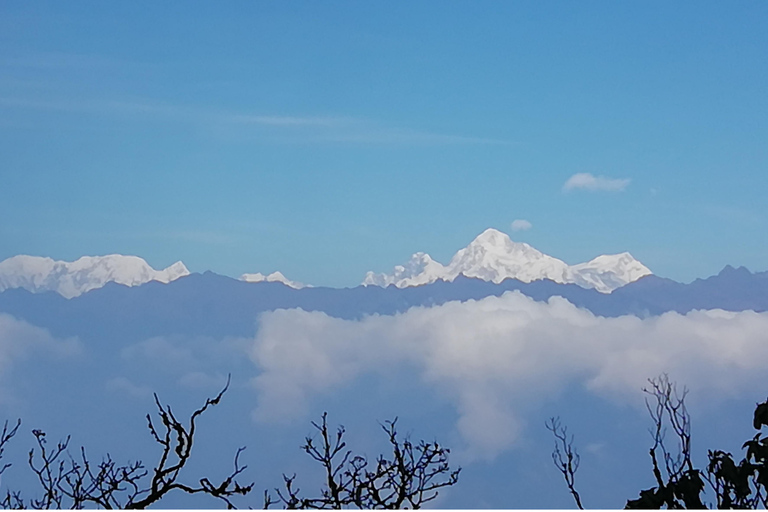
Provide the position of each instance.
(521, 225)
(496, 355)
(586, 181)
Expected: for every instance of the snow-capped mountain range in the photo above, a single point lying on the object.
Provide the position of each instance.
(70, 279)
(493, 256)
(274, 277)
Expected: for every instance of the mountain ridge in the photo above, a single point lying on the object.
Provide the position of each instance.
(213, 305)
(274, 277)
(493, 256)
(73, 278)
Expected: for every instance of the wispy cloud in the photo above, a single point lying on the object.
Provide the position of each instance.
(21, 341)
(182, 355)
(202, 380)
(291, 121)
(586, 181)
(521, 225)
(339, 130)
(370, 133)
(99, 106)
(125, 386)
(64, 60)
(18, 339)
(265, 127)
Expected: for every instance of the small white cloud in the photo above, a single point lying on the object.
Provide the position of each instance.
(586, 181)
(521, 225)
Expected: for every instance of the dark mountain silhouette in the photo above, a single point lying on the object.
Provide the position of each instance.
(733, 289)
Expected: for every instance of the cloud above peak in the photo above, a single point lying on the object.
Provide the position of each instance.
(521, 225)
(587, 181)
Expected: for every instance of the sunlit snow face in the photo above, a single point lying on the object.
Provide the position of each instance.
(493, 256)
(71, 279)
(495, 355)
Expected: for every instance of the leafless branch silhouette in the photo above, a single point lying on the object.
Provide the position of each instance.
(409, 478)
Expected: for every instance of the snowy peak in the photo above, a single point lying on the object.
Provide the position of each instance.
(608, 272)
(420, 269)
(492, 245)
(493, 256)
(274, 277)
(175, 271)
(623, 264)
(492, 238)
(71, 279)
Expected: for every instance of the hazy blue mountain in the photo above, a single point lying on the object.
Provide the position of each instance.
(213, 305)
(732, 289)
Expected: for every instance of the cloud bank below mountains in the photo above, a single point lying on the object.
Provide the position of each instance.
(496, 357)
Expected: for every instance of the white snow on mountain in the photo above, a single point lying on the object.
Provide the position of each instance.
(70, 279)
(420, 269)
(608, 272)
(493, 256)
(274, 277)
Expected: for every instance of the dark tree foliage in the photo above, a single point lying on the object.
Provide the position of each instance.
(679, 484)
(408, 479)
(70, 481)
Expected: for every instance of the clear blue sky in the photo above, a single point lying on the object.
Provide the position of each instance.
(325, 139)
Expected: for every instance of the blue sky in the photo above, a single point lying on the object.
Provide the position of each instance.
(327, 139)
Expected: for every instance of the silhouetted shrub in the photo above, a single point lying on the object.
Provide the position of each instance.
(680, 485)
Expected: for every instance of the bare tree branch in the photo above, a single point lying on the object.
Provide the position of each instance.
(409, 479)
(70, 482)
(565, 456)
